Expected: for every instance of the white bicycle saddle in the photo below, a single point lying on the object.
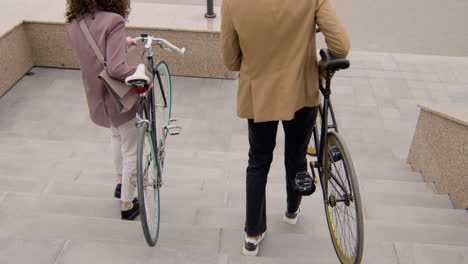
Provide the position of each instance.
(138, 76)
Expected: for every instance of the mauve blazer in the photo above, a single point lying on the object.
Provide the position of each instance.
(108, 30)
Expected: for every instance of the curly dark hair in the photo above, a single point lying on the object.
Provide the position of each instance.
(76, 9)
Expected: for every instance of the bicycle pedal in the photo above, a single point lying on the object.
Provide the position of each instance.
(304, 184)
(335, 153)
(173, 129)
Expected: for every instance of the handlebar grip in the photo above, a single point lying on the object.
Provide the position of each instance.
(173, 47)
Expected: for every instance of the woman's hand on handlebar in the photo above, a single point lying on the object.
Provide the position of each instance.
(131, 41)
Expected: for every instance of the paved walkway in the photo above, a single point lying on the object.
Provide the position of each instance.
(415, 26)
(56, 175)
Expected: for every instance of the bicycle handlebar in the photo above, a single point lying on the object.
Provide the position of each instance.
(330, 63)
(160, 41)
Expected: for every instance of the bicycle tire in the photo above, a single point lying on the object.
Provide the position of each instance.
(163, 107)
(148, 185)
(348, 252)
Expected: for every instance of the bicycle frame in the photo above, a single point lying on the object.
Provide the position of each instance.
(146, 103)
(322, 152)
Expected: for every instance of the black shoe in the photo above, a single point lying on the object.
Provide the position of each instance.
(251, 245)
(118, 190)
(132, 213)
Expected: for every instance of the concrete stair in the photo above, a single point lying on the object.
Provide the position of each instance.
(57, 205)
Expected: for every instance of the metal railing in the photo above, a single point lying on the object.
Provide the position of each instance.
(209, 9)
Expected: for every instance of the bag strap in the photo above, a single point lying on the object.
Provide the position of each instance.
(92, 43)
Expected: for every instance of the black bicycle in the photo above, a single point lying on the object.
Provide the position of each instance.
(336, 172)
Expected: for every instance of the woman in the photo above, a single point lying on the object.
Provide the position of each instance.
(106, 22)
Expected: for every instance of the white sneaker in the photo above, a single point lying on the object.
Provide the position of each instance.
(291, 218)
(251, 245)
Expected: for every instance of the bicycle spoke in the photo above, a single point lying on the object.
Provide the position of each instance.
(345, 211)
(344, 218)
(340, 183)
(334, 185)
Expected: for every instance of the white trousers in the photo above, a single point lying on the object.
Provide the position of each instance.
(124, 146)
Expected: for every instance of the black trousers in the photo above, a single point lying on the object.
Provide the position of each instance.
(262, 139)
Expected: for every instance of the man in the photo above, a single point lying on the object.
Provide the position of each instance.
(272, 44)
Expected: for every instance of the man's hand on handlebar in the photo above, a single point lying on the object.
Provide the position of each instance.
(322, 73)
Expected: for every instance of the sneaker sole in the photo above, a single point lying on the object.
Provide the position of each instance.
(290, 221)
(250, 253)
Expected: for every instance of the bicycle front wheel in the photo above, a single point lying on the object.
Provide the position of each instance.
(162, 102)
(148, 185)
(343, 202)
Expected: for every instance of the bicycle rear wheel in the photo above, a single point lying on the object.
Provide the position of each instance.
(342, 202)
(148, 184)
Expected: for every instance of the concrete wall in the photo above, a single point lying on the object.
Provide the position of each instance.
(16, 57)
(47, 45)
(440, 152)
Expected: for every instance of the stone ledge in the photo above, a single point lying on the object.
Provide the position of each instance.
(39, 39)
(16, 55)
(456, 114)
(439, 151)
(46, 44)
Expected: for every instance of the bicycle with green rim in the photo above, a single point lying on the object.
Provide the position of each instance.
(154, 123)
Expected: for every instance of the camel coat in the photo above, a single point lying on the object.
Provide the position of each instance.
(272, 44)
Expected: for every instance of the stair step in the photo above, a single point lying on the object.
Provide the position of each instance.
(18, 249)
(382, 174)
(31, 205)
(123, 253)
(69, 227)
(386, 170)
(407, 199)
(312, 221)
(396, 186)
(11, 184)
(413, 253)
(415, 233)
(107, 230)
(295, 248)
(411, 214)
